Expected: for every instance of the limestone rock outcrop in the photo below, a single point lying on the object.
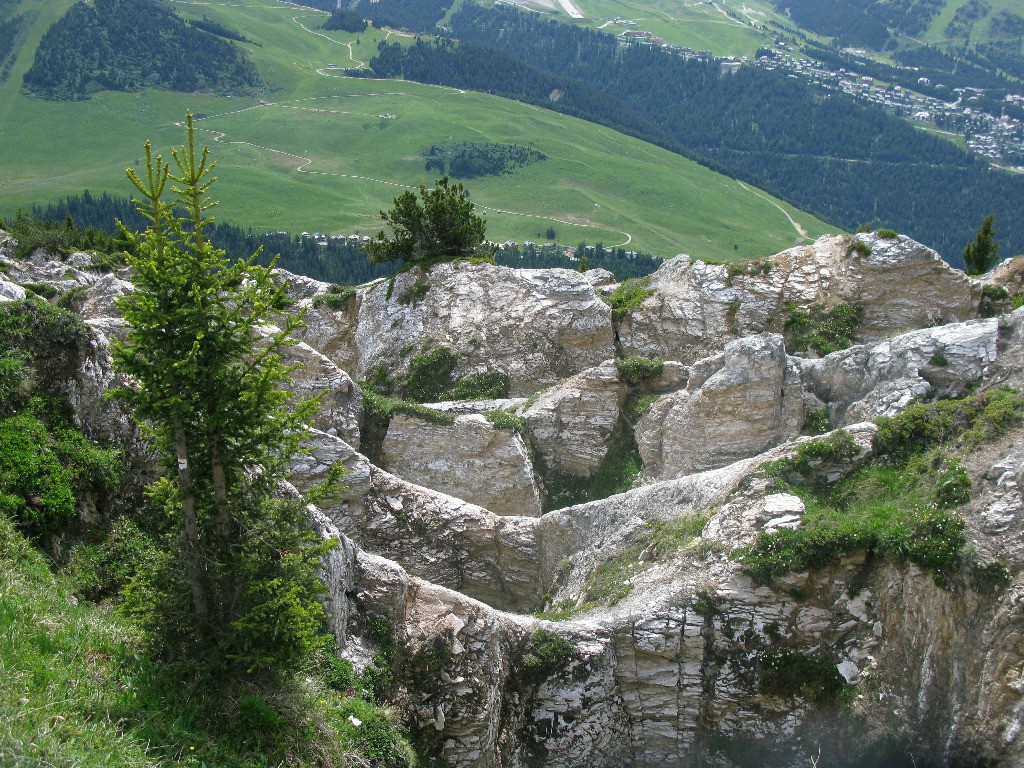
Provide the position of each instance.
(664, 667)
(570, 425)
(868, 381)
(471, 459)
(753, 401)
(698, 307)
(340, 409)
(536, 326)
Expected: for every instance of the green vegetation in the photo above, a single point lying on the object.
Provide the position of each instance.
(471, 159)
(503, 419)
(820, 329)
(751, 268)
(887, 234)
(616, 474)
(346, 21)
(899, 503)
(124, 45)
(547, 653)
(414, 293)
(440, 226)
(627, 296)
(786, 672)
(982, 254)
(815, 421)
(237, 588)
(837, 447)
(44, 469)
(129, 680)
(338, 127)
(637, 368)
(859, 247)
(79, 685)
(59, 238)
(337, 298)
(965, 423)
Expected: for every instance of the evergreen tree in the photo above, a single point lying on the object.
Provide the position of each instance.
(983, 254)
(239, 582)
(441, 227)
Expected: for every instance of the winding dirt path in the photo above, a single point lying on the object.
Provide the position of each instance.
(796, 225)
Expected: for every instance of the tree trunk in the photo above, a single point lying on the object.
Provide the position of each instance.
(193, 551)
(224, 532)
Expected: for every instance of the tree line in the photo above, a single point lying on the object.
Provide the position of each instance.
(88, 222)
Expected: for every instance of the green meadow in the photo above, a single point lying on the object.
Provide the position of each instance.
(725, 28)
(318, 151)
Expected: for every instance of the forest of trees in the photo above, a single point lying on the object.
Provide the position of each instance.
(470, 159)
(346, 20)
(341, 261)
(10, 43)
(847, 162)
(124, 45)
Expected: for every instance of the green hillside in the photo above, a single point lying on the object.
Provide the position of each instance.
(319, 151)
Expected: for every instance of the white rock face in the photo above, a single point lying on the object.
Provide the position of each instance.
(471, 459)
(340, 410)
(11, 291)
(537, 326)
(698, 308)
(447, 541)
(751, 403)
(570, 425)
(865, 382)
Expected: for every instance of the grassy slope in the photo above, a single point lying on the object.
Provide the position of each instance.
(936, 33)
(597, 186)
(693, 23)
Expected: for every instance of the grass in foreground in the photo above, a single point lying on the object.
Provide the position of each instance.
(80, 690)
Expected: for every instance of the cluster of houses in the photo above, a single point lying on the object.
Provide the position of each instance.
(997, 138)
(321, 239)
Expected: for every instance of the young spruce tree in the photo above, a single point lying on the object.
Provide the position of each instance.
(239, 583)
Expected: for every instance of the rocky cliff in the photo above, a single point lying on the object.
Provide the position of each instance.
(566, 578)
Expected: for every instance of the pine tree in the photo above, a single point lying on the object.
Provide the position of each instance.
(240, 581)
(983, 254)
(441, 227)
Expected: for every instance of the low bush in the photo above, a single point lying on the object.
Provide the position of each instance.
(787, 672)
(967, 421)
(546, 654)
(887, 234)
(820, 329)
(337, 298)
(627, 296)
(859, 247)
(637, 368)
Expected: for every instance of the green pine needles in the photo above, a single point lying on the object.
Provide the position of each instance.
(237, 586)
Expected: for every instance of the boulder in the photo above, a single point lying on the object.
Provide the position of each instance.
(470, 459)
(570, 425)
(753, 401)
(536, 326)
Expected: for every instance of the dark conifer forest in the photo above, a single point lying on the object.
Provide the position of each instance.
(124, 45)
